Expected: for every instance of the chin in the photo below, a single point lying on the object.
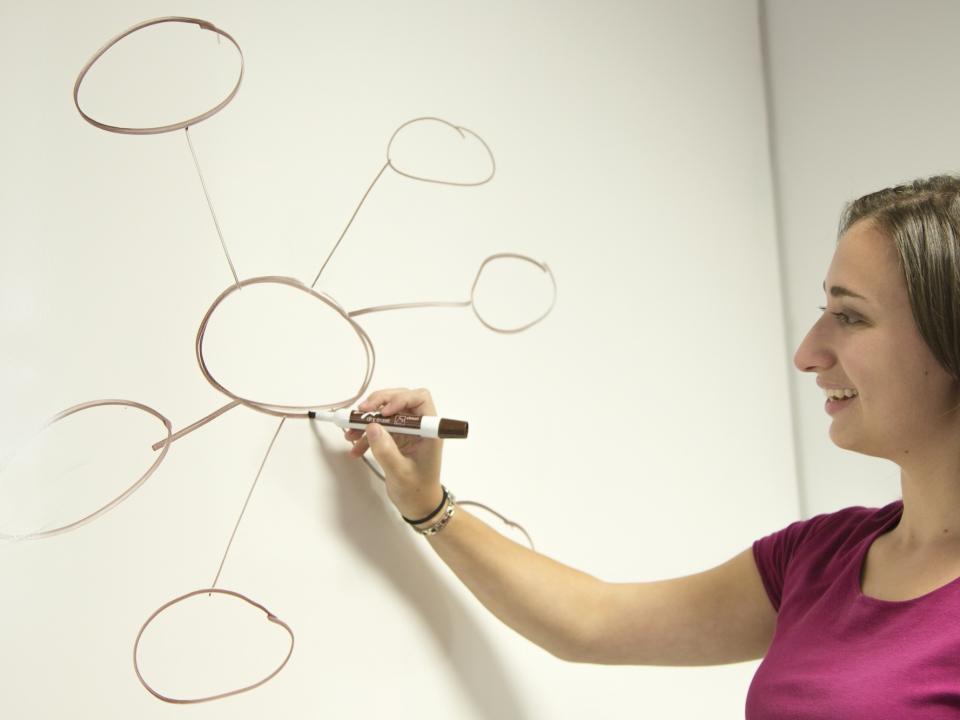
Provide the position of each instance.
(845, 441)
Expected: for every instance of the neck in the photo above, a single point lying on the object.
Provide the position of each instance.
(931, 507)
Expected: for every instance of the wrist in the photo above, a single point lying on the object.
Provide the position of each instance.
(440, 519)
(424, 506)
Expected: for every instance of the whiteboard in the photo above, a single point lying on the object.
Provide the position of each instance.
(640, 431)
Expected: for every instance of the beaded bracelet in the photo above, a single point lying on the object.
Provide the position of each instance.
(449, 510)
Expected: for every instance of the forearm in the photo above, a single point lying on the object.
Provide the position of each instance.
(549, 603)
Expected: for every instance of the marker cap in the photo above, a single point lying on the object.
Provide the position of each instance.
(452, 428)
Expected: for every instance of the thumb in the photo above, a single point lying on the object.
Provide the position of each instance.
(384, 448)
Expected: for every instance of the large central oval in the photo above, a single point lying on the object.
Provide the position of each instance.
(276, 344)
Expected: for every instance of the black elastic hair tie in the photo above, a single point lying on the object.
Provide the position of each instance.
(443, 502)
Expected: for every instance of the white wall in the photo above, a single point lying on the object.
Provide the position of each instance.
(632, 157)
(862, 99)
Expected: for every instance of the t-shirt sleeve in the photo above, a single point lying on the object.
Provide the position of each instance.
(815, 540)
(773, 554)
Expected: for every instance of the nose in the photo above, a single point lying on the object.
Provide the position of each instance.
(814, 353)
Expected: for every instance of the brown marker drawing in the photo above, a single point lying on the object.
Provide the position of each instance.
(278, 410)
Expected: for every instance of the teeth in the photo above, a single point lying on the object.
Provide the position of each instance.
(838, 394)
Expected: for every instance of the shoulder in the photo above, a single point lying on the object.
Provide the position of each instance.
(852, 523)
(818, 547)
(840, 524)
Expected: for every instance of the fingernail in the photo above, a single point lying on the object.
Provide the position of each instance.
(373, 431)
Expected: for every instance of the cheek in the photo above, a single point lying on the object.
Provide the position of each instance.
(941, 393)
(906, 389)
(922, 372)
(866, 369)
(879, 376)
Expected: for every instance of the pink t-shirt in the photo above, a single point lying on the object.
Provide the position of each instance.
(838, 654)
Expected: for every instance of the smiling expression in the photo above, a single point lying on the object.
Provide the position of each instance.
(871, 344)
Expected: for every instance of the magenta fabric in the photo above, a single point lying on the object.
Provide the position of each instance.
(838, 654)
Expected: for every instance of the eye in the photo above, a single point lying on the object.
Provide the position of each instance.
(843, 318)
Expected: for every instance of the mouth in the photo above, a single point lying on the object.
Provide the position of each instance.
(835, 405)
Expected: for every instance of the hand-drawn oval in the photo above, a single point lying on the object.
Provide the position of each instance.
(85, 515)
(274, 408)
(226, 693)
(203, 25)
(506, 521)
(524, 258)
(434, 150)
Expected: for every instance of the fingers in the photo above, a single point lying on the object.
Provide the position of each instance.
(359, 447)
(389, 402)
(407, 444)
(394, 400)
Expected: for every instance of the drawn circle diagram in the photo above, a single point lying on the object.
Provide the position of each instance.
(523, 258)
(427, 149)
(217, 696)
(274, 408)
(119, 498)
(469, 149)
(204, 25)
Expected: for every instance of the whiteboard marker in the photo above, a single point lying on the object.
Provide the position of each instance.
(426, 426)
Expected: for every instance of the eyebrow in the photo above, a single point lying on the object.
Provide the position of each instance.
(838, 291)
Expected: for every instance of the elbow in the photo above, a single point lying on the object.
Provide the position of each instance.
(582, 656)
(561, 647)
(566, 654)
(575, 649)
(583, 638)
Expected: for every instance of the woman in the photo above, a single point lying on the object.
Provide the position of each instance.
(856, 613)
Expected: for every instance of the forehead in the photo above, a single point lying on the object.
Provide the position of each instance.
(867, 262)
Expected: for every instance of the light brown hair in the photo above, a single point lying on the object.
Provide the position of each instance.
(922, 218)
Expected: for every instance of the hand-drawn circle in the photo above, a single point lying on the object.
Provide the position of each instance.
(273, 408)
(375, 468)
(204, 25)
(126, 493)
(459, 129)
(513, 256)
(187, 701)
(506, 521)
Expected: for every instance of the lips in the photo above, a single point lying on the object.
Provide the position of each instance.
(833, 406)
(840, 394)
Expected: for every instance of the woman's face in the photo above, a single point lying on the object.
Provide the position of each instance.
(871, 344)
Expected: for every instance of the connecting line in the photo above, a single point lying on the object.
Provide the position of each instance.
(246, 502)
(349, 223)
(405, 306)
(196, 164)
(199, 423)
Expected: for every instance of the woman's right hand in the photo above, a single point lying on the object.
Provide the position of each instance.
(411, 463)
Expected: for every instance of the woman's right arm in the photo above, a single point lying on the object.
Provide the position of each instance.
(719, 616)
